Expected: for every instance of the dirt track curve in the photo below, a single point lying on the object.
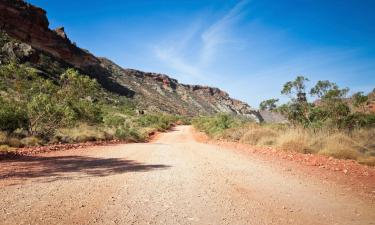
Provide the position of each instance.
(174, 180)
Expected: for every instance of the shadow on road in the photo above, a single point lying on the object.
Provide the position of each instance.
(62, 167)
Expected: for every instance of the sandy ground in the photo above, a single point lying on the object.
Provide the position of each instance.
(173, 180)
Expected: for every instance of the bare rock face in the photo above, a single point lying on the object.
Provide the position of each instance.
(19, 51)
(272, 117)
(61, 32)
(153, 92)
(29, 24)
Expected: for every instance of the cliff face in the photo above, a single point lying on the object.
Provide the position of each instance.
(51, 52)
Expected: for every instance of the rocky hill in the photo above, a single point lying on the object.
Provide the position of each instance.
(26, 37)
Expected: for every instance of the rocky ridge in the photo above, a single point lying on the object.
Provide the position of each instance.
(51, 52)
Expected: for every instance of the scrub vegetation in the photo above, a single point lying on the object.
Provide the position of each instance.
(332, 125)
(74, 108)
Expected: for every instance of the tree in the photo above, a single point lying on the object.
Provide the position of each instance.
(296, 87)
(322, 87)
(12, 116)
(45, 114)
(328, 91)
(298, 110)
(360, 100)
(269, 104)
(333, 110)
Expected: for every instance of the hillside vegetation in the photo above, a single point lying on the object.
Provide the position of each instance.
(333, 125)
(74, 108)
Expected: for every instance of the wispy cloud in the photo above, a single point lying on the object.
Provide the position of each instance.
(212, 38)
(218, 33)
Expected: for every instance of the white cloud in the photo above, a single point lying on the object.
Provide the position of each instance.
(218, 33)
(173, 51)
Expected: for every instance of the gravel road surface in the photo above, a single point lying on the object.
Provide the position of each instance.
(172, 180)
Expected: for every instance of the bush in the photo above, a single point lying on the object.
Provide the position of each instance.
(340, 146)
(31, 141)
(80, 133)
(12, 116)
(126, 133)
(216, 125)
(5, 148)
(3, 137)
(161, 122)
(234, 134)
(370, 161)
(14, 142)
(259, 135)
(86, 111)
(295, 140)
(45, 115)
(111, 120)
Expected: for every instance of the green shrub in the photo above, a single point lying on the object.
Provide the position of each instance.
(45, 115)
(12, 116)
(87, 111)
(114, 120)
(161, 122)
(218, 124)
(126, 133)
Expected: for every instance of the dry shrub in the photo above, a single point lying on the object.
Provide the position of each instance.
(258, 135)
(5, 148)
(357, 144)
(14, 142)
(296, 140)
(81, 133)
(3, 137)
(234, 134)
(31, 141)
(267, 141)
(370, 161)
(365, 140)
(340, 146)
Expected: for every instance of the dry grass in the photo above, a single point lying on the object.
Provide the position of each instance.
(5, 148)
(358, 144)
(370, 161)
(14, 142)
(3, 137)
(259, 135)
(234, 134)
(80, 133)
(340, 146)
(296, 140)
(31, 141)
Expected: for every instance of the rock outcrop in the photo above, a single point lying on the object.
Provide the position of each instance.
(272, 117)
(51, 52)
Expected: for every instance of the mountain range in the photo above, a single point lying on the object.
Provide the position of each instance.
(27, 38)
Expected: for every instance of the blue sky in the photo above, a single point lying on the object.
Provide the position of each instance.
(248, 48)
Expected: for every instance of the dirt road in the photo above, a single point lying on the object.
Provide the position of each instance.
(174, 180)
